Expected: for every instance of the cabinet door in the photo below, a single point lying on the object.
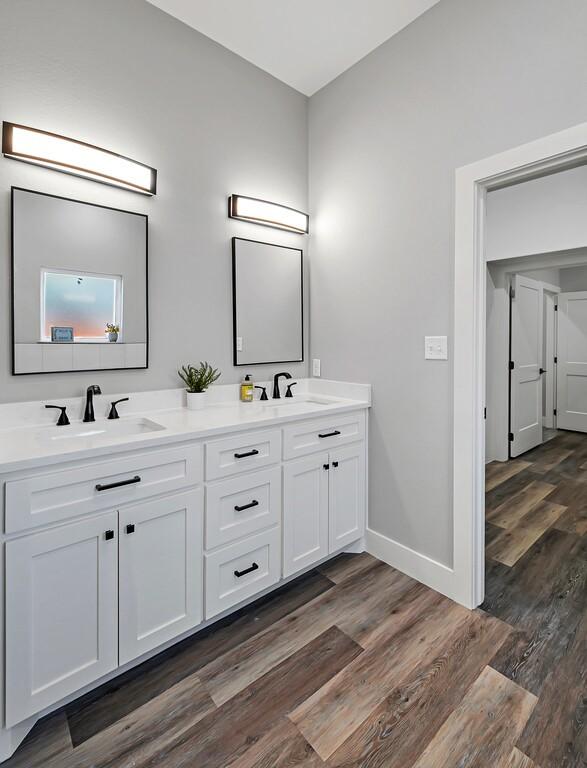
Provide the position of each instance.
(305, 512)
(161, 584)
(61, 613)
(347, 495)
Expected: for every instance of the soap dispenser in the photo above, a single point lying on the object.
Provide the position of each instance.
(247, 389)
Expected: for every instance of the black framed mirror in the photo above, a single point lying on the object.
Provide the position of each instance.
(268, 303)
(79, 285)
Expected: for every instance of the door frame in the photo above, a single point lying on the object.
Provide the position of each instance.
(558, 151)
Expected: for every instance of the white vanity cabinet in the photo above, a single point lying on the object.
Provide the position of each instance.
(61, 612)
(110, 558)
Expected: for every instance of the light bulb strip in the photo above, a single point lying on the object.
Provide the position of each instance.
(261, 212)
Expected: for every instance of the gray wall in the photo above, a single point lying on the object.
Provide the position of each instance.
(127, 77)
(467, 79)
(574, 279)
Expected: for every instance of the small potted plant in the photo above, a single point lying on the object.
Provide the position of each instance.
(112, 330)
(197, 380)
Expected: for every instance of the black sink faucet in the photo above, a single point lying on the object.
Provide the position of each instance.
(92, 390)
(276, 392)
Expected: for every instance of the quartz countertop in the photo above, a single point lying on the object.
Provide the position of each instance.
(36, 445)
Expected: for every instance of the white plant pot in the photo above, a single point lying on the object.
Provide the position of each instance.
(196, 400)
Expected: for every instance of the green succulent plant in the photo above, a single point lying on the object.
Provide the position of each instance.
(198, 379)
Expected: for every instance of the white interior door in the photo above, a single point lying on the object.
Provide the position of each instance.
(549, 386)
(571, 390)
(526, 378)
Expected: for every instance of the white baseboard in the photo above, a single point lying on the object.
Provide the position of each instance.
(420, 567)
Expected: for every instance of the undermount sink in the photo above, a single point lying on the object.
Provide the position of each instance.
(104, 428)
(311, 403)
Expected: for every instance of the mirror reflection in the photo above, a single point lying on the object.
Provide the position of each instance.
(267, 303)
(79, 285)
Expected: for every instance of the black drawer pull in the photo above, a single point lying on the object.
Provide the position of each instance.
(108, 535)
(330, 434)
(253, 567)
(254, 452)
(119, 484)
(130, 528)
(253, 503)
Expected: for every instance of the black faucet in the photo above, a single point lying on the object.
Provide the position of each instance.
(92, 390)
(276, 392)
(62, 421)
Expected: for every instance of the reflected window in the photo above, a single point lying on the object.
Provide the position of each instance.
(80, 300)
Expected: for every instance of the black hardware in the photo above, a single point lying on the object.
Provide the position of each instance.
(254, 452)
(276, 392)
(556, 360)
(541, 371)
(130, 528)
(253, 567)
(511, 437)
(554, 412)
(92, 390)
(326, 466)
(62, 421)
(485, 413)
(113, 412)
(289, 393)
(335, 464)
(108, 535)
(556, 307)
(330, 434)
(263, 393)
(511, 365)
(253, 503)
(119, 484)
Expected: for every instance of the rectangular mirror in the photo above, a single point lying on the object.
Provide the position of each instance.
(79, 270)
(267, 303)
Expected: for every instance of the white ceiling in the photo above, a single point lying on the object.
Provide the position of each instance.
(305, 43)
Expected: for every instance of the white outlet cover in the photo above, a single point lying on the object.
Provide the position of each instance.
(435, 348)
(316, 367)
(239, 343)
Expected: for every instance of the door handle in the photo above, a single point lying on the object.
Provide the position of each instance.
(253, 503)
(119, 484)
(252, 568)
(541, 371)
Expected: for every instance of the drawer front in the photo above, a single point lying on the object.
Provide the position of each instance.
(240, 506)
(241, 453)
(46, 499)
(322, 434)
(241, 570)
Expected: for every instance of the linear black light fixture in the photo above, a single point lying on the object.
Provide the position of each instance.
(268, 214)
(61, 153)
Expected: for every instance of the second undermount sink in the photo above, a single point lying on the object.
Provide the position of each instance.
(311, 403)
(115, 428)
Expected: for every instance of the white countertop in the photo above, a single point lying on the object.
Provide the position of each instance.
(35, 445)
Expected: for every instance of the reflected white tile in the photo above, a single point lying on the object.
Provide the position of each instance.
(135, 355)
(112, 355)
(28, 358)
(86, 357)
(57, 357)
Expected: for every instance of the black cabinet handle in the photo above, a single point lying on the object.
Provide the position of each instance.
(119, 484)
(254, 452)
(330, 434)
(253, 567)
(253, 503)
(130, 528)
(108, 535)
(326, 466)
(335, 464)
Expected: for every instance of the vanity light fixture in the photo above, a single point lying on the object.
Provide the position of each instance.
(268, 214)
(60, 153)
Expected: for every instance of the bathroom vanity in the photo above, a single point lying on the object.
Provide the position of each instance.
(122, 537)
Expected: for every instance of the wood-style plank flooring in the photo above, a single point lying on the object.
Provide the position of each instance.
(355, 664)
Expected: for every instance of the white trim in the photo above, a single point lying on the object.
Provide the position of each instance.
(410, 562)
(555, 152)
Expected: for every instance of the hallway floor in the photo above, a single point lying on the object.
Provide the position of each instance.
(356, 664)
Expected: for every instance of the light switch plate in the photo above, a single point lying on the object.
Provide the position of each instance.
(316, 367)
(435, 348)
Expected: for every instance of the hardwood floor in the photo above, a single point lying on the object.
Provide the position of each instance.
(357, 665)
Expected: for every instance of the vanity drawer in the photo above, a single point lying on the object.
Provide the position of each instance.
(242, 452)
(45, 499)
(322, 434)
(240, 506)
(241, 570)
